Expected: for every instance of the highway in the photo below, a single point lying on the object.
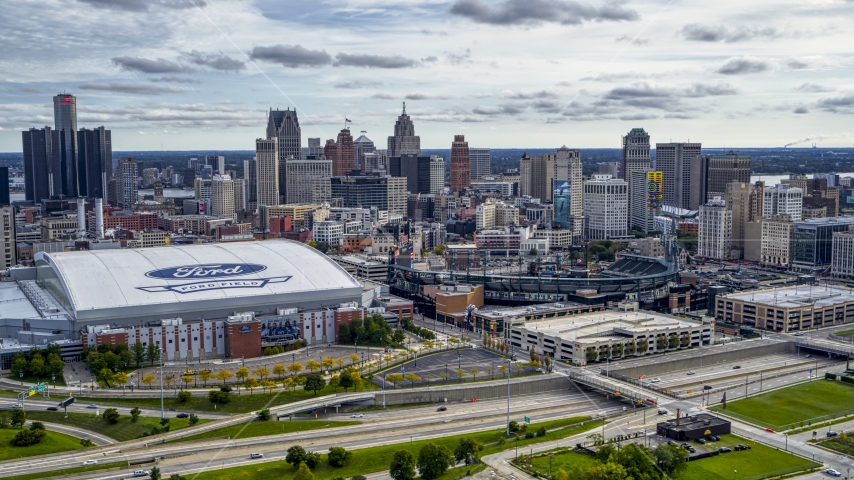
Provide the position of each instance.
(39, 403)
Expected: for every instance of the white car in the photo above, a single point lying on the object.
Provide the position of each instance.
(92, 405)
(141, 473)
(256, 455)
(90, 462)
(357, 415)
(801, 334)
(656, 380)
(832, 472)
(690, 372)
(17, 405)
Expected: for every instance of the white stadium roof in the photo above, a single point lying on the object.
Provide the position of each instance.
(166, 280)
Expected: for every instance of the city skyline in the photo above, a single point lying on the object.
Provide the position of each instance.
(180, 74)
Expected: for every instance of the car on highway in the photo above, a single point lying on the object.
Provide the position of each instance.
(92, 405)
(182, 415)
(441, 409)
(724, 450)
(656, 380)
(256, 455)
(701, 441)
(17, 405)
(832, 434)
(90, 462)
(671, 442)
(690, 372)
(52, 409)
(662, 411)
(736, 367)
(141, 473)
(799, 334)
(832, 472)
(742, 446)
(357, 415)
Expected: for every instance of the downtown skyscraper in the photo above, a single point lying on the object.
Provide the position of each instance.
(65, 145)
(674, 161)
(283, 125)
(267, 171)
(95, 153)
(460, 164)
(404, 140)
(635, 157)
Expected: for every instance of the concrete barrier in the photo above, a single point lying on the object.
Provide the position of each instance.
(480, 390)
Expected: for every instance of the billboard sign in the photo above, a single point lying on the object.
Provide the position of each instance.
(245, 329)
(654, 190)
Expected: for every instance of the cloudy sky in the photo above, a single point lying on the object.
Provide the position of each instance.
(201, 74)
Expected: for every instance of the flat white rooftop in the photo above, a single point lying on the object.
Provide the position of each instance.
(797, 296)
(606, 325)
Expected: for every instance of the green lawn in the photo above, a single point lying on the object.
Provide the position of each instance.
(53, 442)
(67, 471)
(845, 332)
(377, 459)
(259, 429)
(565, 461)
(460, 472)
(60, 382)
(842, 444)
(121, 431)
(760, 461)
(783, 407)
(243, 403)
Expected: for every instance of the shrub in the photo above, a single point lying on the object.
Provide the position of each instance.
(312, 459)
(225, 388)
(24, 438)
(111, 415)
(358, 477)
(829, 376)
(541, 432)
(86, 442)
(847, 379)
(194, 419)
(184, 396)
(338, 456)
(264, 414)
(218, 397)
(530, 435)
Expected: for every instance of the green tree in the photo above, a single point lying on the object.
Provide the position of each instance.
(19, 418)
(152, 353)
(608, 471)
(344, 333)
(5, 419)
(671, 458)
(439, 250)
(134, 414)
(338, 456)
(314, 382)
(154, 474)
(184, 396)
(398, 336)
(643, 346)
(312, 459)
(251, 383)
(591, 354)
(303, 473)
(433, 460)
(111, 415)
(402, 465)
(296, 455)
(55, 365)
(37, 365)
(19, 365)
(466, 450)
(194, 419)
(85, 443)
(218, 396)
(673, 341)
(264, 414)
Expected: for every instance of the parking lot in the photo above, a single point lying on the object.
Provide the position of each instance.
(432, 368)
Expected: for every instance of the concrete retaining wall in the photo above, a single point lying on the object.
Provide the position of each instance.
(481, 390)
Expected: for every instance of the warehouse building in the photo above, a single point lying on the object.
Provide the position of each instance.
(788, 309)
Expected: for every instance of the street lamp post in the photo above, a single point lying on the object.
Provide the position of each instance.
(162, 406)
(508, 398)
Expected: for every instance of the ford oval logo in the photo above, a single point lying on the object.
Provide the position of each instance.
(214, 270)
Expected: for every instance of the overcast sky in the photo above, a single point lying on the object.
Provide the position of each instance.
(201, 74)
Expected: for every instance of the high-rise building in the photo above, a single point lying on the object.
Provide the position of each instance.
(300, 174)
(641, 215)
(217, 162)
(635, 155)
(568, 167)
(240, 195)
(65, 145)
(4, 186)
(250, 174)
(362, 146)
(714, 230)
(537, 175)
(460, 164)
(673, 160)
(149, 176)
(782, 199)
(384, 193)
(610, 168)
(38, 164)
(267, 163)
(126, 182)
(711, 174)
(376, 163)
(202, 189)
(437, 174)
(222, 196)
(188, 176)
(404, 140)
(776, 240)
(95, 149)
(842, 254)
(812, 241)
(314, 148)
(606, 203)
(480, 162)
(740, 196)
(8, 245)
(343, 156)
(283, 125)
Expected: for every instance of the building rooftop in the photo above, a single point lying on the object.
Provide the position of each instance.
(826, 221)
(796, 296)
(602, 326)
(495, 312)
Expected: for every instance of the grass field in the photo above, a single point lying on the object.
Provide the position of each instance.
(53, 442)
(260, 429)
(760, 461)
(842, 445)
(122, 431)
(793, 404)
(377, 459)
(565, 461)
(67, 471)
(242, 403)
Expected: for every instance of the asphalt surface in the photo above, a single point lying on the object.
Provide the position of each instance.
(450, 362)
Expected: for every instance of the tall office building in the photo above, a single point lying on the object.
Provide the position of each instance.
(404, 139)
(537, 175)
(314, 148)
(283, 125)
(842, 254)
(606, 204)
(711, 174)
(609, 168)
(361, 146)
(222, 196)
(38, 164)
(674, 161)
(65, 145)
(202, 189)
(776, 240)
(636, 155)
(8, 245)
(300, 174)
(437, 174)
(641, 215)
(783, 200)
(267, 165)
(126, 182)
(250, 174)
(4, 186)
(95, 150)
(480, 162)
(217, 162)
(812, 241)
(417, 171)
(568, 167)
(342, 155)
(460, 164)
(714, 230)
(738, 199)
(240, 195)
(384, 193)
